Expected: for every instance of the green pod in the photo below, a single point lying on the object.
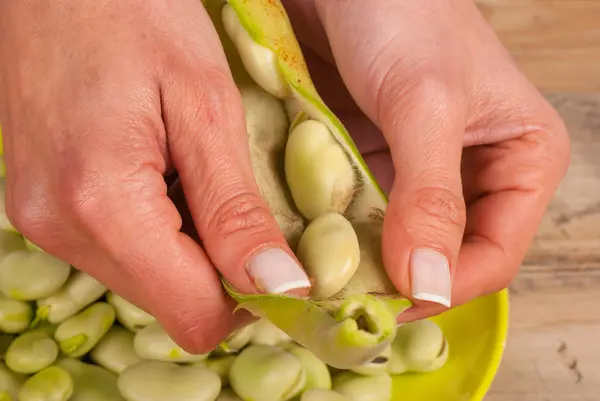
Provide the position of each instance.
(10, 383)
(419, 346)
(79, 291)
(28, 276)
(358, 322)
(15, 316)
(91, 382)
(10, 242)
(227, 394)
(115, 350)
(266, 373)
(31, 352)
(363, 388)
(236, 340)
(161, 381)
(153, 343)
(322, 395)
(221, 365)
(378, 366)
(50, 384)
(129, 315)
(266, 333)
(77, 335)
(317, 373)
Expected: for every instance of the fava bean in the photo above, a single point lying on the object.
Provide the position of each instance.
(322, 395)
(92, 382)
(161, 381)
(266, 373)
(129, 315)
(419, 346)
(28, 276)
(10, 383)
(77, 335)
(31, 352)
(237, 340)
(378, 366)
(15, 316)
(79, 291)
(266, 333)
(317, 373)
(50, 384)
(363, 388)
(115, 350)
(153, 343)
(330, 254)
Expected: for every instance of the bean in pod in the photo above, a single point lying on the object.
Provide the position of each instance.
(267, 373)
(50, 384)
(318, 171)
(79, 291)
(419, 346)
(31, 352)
(28, 276)
(91, 382)
(322, 395)
(15, 316)
(130, 316)
(378, 366)
(10, 383)
(363, 388)
(115, 350)
(161, 381)
(266, 333)
(317, 372)
(77, 335)
(153, 343)
(330, 254)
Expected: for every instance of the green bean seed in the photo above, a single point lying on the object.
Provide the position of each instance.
(236, 340)
(79, 291)
(226, 394)
(115, 350)
(318, 171)
(266, 333)
(50, 384)
(419, 346)
(153, 343)
(15, 316)
(221, 365)
(330, 254)
(10, 242)
(28, 276)
(322, 395)
(92, 382)
(129, 315)
(378, 366)
(161, 381)
(317, 373)
(31, 352)
(266, 373)
(10, 383)
(363, 388)
(77, 335)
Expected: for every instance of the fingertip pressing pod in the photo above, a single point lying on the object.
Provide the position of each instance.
(266, 333)
(129, 315)
(10, 242)
(115, 350)
(91, 382)
(15, 316)
(317, 373)
(334, 329)
(10, 383)
(330, 254)
(419, 346)
(322, 395)
(226, 394)
(378, 366)
(160, 381)
(77, 335)
(31, 352)
(79, 291)
(266, 373)
(221, 366)
(318, 171)
(153, 343)
(363, 388)
(50, 384)
(28, 276)
(236, 340)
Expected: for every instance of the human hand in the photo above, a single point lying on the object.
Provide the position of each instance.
(428, 92)
(98, 102)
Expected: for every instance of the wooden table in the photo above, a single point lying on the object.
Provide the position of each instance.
(553, 351)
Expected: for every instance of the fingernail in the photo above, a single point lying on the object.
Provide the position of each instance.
(276, 272)
(430, 276)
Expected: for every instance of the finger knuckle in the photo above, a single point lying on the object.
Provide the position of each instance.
(443, 209)
(27, 211)
(243, 214)
(80, 197)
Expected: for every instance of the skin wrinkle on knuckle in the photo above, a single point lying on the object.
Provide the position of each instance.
(241, 214)
(443, 210)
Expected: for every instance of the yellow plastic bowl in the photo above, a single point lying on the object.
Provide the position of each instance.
(476, 335)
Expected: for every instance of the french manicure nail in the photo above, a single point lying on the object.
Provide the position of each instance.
(276, 272)
(430, 276)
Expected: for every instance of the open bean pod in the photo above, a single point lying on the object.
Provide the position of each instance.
(322, 195)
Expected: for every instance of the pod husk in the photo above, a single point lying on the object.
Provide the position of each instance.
(329, 328)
